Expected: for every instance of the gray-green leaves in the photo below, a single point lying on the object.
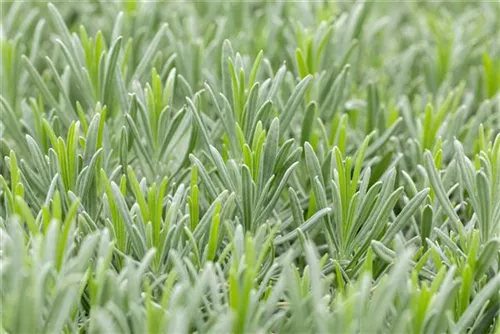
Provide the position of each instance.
(211, 167)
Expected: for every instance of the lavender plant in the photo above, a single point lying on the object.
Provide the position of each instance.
(249, 167)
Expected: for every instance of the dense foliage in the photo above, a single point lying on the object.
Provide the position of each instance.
(250, 167)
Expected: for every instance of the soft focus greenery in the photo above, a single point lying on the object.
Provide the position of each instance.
(250, 167)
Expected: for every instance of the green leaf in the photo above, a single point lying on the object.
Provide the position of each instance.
(482, 297)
